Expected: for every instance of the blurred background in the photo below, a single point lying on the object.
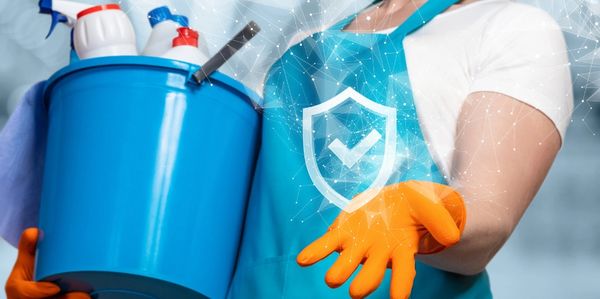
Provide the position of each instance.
(555, 251)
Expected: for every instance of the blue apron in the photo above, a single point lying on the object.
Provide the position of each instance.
(326, 136)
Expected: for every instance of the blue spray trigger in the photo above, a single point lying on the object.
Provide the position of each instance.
(56, 18)
(46, 8)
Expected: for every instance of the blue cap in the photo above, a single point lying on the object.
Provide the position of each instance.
(181, 20)
(158, 15)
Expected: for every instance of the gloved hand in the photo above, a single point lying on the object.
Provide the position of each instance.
(20, 283)
(402, 220)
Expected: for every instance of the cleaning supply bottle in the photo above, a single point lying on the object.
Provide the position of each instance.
(164, 29)
(185, 47)
(101, 30)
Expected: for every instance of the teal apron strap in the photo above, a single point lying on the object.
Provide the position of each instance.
(420, 17)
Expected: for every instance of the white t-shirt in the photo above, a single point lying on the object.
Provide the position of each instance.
(490, 45)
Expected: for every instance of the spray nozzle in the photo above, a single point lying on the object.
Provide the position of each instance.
(46, 8)
(163, 13)
(61, 11)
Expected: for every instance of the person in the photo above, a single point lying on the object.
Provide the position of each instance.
(410, 138)
(482, 96)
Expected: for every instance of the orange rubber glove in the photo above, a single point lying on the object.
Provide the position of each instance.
(402, 220)
(20, 283)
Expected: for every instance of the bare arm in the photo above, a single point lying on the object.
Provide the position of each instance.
(504, 149)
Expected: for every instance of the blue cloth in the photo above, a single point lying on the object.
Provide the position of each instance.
(22, 144)
(302, 166)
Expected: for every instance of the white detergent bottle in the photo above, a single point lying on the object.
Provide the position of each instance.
(101, 30)
(185, 47)
(164, 29)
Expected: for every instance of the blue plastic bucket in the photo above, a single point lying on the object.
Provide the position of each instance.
(146, 179)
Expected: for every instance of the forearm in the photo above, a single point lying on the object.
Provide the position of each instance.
(484, 234)
(504, 149)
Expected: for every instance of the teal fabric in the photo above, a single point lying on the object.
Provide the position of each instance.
(286, 212)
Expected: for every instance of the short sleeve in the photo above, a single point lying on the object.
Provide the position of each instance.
(523, 55)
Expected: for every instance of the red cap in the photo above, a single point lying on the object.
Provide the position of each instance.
(97, 8)
(187, 37)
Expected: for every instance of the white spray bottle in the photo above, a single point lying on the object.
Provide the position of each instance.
(164, 30)
(101, 30)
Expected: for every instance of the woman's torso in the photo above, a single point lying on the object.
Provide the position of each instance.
(442, 60)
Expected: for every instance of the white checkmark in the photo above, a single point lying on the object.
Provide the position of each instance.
(350, 156)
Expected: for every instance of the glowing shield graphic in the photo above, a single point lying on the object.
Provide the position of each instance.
(349, 177)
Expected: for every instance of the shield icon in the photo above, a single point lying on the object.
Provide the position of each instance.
(347, 158)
